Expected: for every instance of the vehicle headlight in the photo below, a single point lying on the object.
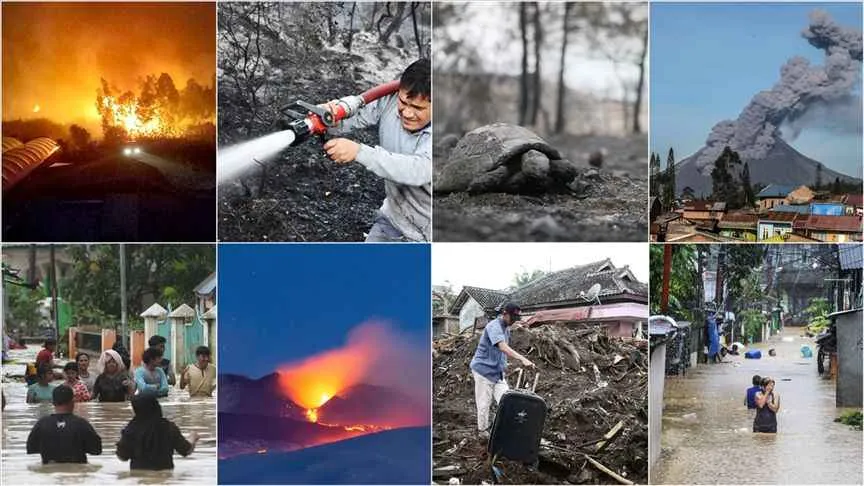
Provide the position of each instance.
(127, 151)
(137, 150)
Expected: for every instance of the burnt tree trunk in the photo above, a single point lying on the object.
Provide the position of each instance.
(637, 127)
(523, 80)
(414, 6)
(559, 104)
(350, 38)
(538, 44)
(395, 23)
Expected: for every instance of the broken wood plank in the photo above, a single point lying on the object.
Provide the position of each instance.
(608, 471)
(611, 435)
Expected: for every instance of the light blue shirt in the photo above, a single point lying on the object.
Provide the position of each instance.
(403, 159)
(489, 361)
(155, 382)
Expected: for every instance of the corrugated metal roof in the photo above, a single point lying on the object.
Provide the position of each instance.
(775, 190)
(851, 256)
(20, 161)
(207, 286)
(792, 208)
(9, 143)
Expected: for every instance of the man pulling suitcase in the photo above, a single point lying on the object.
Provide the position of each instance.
(489, 362)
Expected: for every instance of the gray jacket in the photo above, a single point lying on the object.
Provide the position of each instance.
(403, 160)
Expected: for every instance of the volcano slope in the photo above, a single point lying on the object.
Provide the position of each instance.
(611, 204)
(573, 364)
(783, 165)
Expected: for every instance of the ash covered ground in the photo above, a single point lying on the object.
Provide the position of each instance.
(300, 195)
(611, 204)
(581, 409)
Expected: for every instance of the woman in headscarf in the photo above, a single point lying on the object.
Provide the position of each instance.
(113, 383)
(84, 375)
(149, 440)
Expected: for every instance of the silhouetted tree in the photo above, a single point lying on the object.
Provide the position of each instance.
(747, 188)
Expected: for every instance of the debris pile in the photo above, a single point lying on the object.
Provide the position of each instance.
(596, 429)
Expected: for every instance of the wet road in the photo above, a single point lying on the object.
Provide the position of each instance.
(707, 429)
(108, 419)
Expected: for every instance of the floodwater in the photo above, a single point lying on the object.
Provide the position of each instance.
(108, 419)
(235, 160)
(707, 430)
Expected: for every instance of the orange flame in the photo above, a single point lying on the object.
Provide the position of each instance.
(312, 415)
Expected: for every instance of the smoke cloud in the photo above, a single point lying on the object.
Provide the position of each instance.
(805, 96)
(374, 354)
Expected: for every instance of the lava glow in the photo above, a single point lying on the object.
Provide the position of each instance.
(36, 108)
(312, 415)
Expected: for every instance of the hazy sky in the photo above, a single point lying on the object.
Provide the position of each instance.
(493, 27)
(708, 61)
(493, 265)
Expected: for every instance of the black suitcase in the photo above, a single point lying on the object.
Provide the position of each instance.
(518, 425)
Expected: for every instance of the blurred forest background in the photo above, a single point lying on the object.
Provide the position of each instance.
(272, 54)
(578, 68)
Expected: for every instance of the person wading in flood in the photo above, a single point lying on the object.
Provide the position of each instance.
(149, 377)
(750, 399)
(63, 436)
(149, 440)
(44, 357)
(113, 383)
(489, 362)
(83, 360)
(200, 377)
(73, 382)
(159, 342)
(403, 158)
(767, 406)
(42, 390)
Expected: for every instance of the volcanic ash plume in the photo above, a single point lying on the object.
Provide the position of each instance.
(805, 95)
(374, 354)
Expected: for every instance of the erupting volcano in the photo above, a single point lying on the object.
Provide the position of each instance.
(826, 96)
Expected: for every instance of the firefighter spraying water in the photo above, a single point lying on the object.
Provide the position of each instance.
(296, 129)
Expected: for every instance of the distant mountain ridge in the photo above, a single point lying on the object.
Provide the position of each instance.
(783, 165)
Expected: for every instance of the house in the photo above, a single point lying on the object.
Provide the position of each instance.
(444, 324)
(205, 293)
(854, 204)
(475, 305)
(773, 226)
(703, 210)
(848, 293)
(792, 208)
(828, 208)
(800, 195)
(621, 304)
(830, 229)
(772, 195)
(739, 225)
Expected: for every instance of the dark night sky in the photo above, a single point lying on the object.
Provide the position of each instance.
(280, 303)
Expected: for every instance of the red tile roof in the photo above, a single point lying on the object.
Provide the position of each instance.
(856, 200)
(779, 217)
(845, 224)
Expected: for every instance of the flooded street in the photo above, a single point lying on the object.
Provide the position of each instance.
(108, 419)
(707, 430)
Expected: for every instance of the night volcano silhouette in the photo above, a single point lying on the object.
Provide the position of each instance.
(338, 399)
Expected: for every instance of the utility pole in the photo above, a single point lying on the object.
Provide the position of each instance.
(123, 317)
(53, 275)
(667, 270)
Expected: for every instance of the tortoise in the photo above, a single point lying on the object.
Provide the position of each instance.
(502, 157)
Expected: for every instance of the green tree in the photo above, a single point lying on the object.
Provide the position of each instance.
(683, 281)
(442, 298)
(669, 183)
(166, 273)
(525, 277)
(817, 312)
(722, 181)
(818, 177)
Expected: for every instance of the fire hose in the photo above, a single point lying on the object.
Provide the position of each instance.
(318, 119)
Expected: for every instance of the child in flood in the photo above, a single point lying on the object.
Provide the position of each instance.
(113, 383)
(63, 436)
(767, 406)
(750, 400)
(72, 381)
(148, 441)
(149, 377)
(42, 390)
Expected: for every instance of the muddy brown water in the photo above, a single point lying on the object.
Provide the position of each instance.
(198, 415)
(707, 430)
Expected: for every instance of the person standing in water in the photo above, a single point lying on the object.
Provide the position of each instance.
(750, 399)
(200, 377)
(63, 436)
(42, 390)
(148, 441)
(73, 382)
(149, 377)
(83, 360)
(767, 406)
(113, 383)
(158, 341)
